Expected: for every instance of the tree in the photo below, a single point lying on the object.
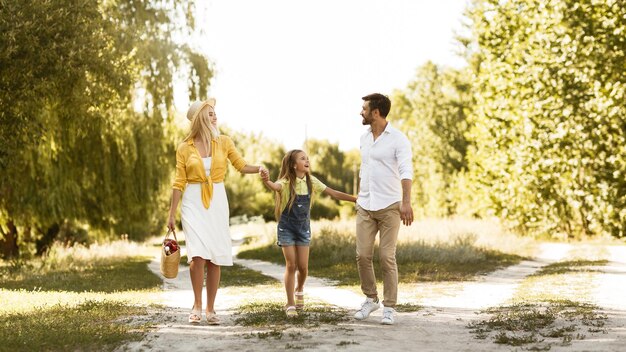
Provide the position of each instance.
(72, 149)
(247, 196)
(334, 168)
(327, 163)
(550, 121)
(351, 164)
(433, 112)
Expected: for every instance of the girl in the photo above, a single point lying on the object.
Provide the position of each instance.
(294, 188)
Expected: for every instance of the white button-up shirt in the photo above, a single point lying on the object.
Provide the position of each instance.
(384, 163)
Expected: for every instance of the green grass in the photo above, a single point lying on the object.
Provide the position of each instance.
(238, 275)
(332, 256)
(269, 322)
(272, 315)
(77, 298)
(111, 276)
(88, 326)
(408, 307)
(571, 266)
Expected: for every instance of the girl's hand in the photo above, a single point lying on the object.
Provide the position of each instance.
(265, 174)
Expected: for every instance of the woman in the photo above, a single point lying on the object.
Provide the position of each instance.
(201, 162)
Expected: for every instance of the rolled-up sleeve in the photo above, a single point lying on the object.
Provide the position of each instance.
(233, 155)
(404, 155)
(180, 181)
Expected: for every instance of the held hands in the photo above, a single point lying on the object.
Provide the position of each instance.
(264, 173)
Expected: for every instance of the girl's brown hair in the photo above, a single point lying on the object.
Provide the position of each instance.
(288, 172)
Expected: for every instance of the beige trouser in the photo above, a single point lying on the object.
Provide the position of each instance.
(368, 224)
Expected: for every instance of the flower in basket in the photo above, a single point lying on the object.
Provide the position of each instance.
(172, 244)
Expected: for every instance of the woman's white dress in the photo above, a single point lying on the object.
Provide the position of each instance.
(207, 233)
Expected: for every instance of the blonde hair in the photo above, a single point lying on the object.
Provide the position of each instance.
(288, 172)
(201, 126)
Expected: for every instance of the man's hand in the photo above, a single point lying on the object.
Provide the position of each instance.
(406, 213)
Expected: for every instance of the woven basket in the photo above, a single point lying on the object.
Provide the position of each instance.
(169, 263)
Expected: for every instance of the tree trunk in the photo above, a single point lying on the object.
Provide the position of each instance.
(9, 241)
(49, 236)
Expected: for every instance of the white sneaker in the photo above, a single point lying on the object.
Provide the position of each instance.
(388, 316)
(366, 308)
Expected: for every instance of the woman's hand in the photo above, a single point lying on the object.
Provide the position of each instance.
(171, 224)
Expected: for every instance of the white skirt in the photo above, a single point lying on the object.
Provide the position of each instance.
(207, 232)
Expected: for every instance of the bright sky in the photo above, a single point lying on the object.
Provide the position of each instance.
(292, 69)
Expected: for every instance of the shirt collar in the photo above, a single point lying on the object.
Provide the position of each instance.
(387, 129)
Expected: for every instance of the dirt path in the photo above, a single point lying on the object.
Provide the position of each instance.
(439, 326)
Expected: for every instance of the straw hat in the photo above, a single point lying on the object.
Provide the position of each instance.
(195, 108)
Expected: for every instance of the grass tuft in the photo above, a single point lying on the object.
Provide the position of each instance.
(272, 314)
(346, 343)
(523, 323)
(571, 266)
(408, 307)
(504, 338)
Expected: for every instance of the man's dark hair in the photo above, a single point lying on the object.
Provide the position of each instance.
(380, 102)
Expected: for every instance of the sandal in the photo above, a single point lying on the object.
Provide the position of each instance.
(212, 318)
(196, 316)
(291, 312)
(299, 300)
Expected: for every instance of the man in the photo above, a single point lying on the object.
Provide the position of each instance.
(384, 201)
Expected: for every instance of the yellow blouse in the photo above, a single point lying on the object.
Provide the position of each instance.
(301, 189)
(190, 169)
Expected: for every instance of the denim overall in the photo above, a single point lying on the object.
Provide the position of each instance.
(294, 227)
